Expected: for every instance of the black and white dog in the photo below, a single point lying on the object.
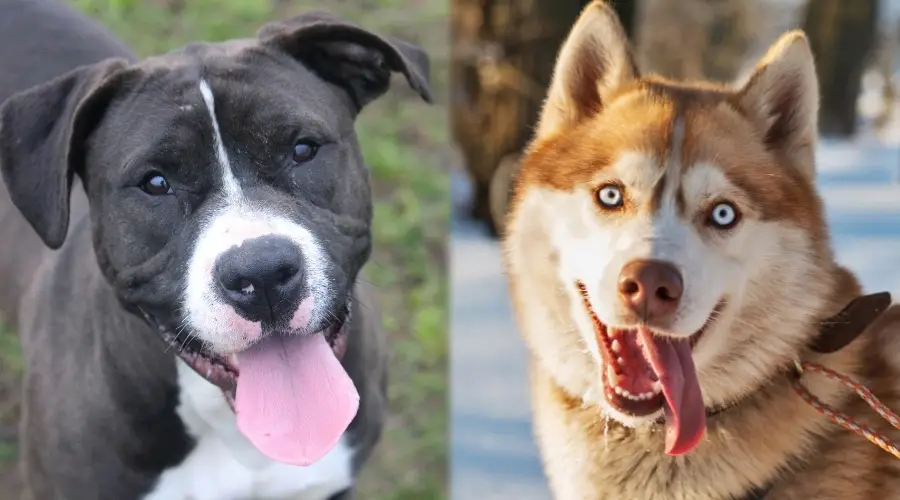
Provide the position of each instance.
(180, 240)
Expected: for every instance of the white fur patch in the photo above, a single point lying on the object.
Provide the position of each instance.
(232, 187)
(225, 466)
(212, 320)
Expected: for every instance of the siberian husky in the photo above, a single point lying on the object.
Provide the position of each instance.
(670, 264)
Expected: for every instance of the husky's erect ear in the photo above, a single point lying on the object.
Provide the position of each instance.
(594, 61)
(782, 95)
(349, 56)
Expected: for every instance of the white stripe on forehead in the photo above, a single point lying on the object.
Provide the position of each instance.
(667, 226)
(230, 182)
(673, 162)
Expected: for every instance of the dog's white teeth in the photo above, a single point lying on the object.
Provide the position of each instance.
(657, 387)
(645, 396)
(620, 361)
(615, 346)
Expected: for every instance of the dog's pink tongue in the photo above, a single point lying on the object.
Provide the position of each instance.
(685, 413)
(294, 400)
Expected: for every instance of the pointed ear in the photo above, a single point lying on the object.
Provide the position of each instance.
(782, 96)
(42, 142)
(349, 56)
(594, 61)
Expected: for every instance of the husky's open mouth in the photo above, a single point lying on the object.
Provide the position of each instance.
(645, 372)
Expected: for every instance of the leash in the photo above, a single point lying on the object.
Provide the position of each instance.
(840, 418)
(835, 334)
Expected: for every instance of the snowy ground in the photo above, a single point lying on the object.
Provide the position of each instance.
(493, 456)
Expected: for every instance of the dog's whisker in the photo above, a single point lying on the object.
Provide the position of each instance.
(363, 304)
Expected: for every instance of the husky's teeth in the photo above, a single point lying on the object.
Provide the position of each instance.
(644, 396)
(620, 361)
(615, 346)
(657, 387)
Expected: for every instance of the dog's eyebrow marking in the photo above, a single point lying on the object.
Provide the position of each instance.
(676, 147)
(232, 187)
(668, 187)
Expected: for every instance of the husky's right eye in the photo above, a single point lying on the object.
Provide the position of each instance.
(610, 197)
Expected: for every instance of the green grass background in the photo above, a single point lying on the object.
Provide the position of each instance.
(405, 143)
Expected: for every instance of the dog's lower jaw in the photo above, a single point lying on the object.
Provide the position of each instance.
(610, 412)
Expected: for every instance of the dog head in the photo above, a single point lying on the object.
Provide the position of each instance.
(228, 197)
(684, 230)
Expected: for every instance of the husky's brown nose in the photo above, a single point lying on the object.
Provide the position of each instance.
(651, 289)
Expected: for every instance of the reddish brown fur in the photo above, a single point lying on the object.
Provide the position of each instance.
(771, 435)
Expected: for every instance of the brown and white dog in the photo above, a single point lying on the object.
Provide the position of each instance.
(669, 260)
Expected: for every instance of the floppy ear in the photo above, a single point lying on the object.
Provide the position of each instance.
(594, 61)
(42, 135)
(782, 96)
(349, 56)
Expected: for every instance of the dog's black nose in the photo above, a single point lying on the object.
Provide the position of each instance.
(262, 278)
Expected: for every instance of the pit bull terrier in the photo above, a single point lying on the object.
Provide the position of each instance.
(180, 242)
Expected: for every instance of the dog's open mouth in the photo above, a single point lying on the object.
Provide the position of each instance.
(645, 372)
(223, 371)
(292, 397)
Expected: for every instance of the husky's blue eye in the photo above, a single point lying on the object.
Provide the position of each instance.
(304, 151)
(610, 197)
(724, 215)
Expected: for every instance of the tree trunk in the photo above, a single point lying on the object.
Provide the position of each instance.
(697, 39)
(502, 59)
(842, 34)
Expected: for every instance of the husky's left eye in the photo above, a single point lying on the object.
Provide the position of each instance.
(610, 197)
(724, 215)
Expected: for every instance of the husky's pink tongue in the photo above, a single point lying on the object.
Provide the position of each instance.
(685, 413)
(294, 400)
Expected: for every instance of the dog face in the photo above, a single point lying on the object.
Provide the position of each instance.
(683, 229)
(228, 195)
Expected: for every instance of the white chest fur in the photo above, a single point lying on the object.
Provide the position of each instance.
(225, 466)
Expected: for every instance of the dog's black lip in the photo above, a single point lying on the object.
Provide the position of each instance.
(217, 369)
(214, 368)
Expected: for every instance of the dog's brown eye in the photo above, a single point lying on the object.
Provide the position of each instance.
(305, 151)
(156, 185)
